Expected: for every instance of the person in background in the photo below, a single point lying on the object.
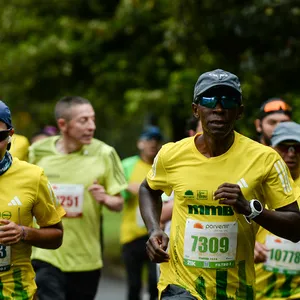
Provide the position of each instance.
(193, 125)
(133, 231)
(44, 133)
(214, 222)
(272, 112)
(86, 174)
(19, 147)
(278, 268)
(25, 194)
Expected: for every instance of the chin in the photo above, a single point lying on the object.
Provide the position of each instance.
(86, 142)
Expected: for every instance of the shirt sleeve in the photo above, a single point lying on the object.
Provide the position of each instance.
(115, 180)
(47, 209)
(157, 177)
(278, 187)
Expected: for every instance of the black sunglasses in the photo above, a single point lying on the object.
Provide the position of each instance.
(227, 102)
(4, 134)
(295, 148)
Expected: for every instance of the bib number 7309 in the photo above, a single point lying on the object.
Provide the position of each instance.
(210, 244)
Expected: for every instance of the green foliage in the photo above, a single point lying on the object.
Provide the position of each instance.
(134, 59)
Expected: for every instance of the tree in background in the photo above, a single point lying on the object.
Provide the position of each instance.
(138, 60)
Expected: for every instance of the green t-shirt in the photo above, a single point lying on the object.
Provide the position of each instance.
(71, 175)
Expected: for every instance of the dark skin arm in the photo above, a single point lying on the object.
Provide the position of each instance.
(279, 222)
(150, 207)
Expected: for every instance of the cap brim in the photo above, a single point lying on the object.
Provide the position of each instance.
(278, 140)
(218, 84)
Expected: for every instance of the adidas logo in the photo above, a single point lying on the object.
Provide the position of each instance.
(242, 183)
(15, 202)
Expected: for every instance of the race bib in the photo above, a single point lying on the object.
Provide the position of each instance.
(210, 244)
(283, 257)
(139, 219)
(70, 197)
(5, 258)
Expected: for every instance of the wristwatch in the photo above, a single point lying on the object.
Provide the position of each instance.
(256, 209)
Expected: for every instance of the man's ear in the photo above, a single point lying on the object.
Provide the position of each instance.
(140, 145)
(62, 124)
(195, 110)
(257, 124)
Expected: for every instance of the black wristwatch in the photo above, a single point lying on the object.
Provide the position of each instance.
(256, 209)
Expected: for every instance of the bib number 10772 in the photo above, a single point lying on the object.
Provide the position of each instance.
(213, 244)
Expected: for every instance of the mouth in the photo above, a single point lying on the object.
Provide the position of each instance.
(291, 163)
(217, 123)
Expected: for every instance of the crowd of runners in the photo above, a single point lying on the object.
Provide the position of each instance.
(212, 216)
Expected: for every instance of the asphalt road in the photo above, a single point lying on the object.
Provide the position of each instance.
(112, 288)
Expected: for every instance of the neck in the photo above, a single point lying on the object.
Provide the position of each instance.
(210, 146)
(146, 159)
(66, 146)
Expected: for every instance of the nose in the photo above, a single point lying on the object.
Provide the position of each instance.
(291, 151)
(91, 124)
(218, 107)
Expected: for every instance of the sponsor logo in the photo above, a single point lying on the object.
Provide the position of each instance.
(15, 202)
(188, 194)
(5, 215)
(202, 195)
(210, 210)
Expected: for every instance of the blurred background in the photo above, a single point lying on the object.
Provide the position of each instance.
(137, 61)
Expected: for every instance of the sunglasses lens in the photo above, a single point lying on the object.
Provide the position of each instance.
(209, 102)
(276, 105)
(229, 102)
(286, 148)
(3, 135)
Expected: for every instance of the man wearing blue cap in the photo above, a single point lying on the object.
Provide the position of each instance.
(25, 193)
(222, 182)
(133, 231)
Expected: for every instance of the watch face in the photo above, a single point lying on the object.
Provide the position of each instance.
(257, 205)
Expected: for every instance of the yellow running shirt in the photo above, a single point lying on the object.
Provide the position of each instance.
(71, 175)
(282, 281)
(25, 193)
(132, 226)
(211, 247)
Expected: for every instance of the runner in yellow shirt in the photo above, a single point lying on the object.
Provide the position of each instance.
(25, 193)
(222, 182)
(278, 274)
(86, 174)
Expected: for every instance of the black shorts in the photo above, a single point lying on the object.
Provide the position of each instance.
(53, 284)
(174, 292)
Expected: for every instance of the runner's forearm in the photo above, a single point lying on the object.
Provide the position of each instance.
(288, 220)
(114, 203)
(46, 237)
(150, 206)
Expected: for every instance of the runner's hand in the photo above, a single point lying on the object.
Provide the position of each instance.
(156, 246)
(231, 194)
(260, 253)
(10, 232)
(98, 192)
